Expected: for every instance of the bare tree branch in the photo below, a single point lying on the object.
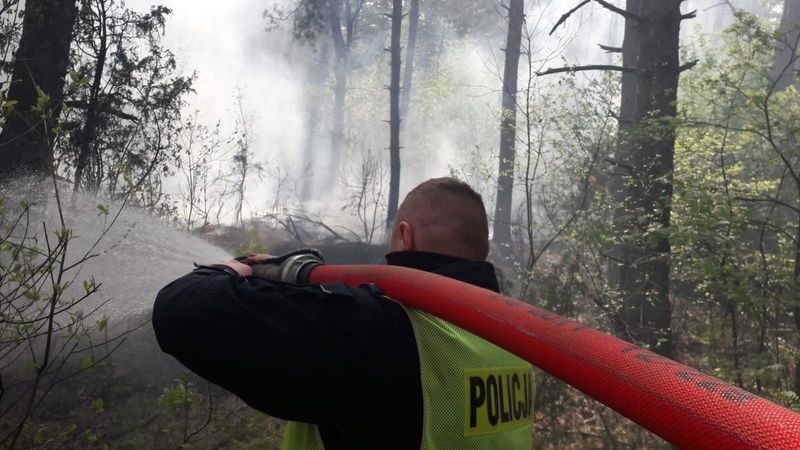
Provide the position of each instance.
(276, 16)
(604, 4)
(768, 199)
(730, 5)
(610, 49)
(688, 65)
(572, 69)
(567, 14)
(628, 168)
(82, 104)
(619, 11)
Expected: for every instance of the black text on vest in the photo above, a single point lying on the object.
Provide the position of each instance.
(497, 399)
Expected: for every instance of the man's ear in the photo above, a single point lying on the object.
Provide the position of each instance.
(406, 234)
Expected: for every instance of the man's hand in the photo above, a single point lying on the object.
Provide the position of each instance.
(292, 267)
(256, 258)
(241, 268)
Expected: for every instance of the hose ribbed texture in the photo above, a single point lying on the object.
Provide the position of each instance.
(682, 405)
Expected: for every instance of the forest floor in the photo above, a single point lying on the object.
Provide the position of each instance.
(122, 413)
(191, 414)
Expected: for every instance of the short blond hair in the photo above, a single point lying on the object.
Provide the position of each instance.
(451, 215)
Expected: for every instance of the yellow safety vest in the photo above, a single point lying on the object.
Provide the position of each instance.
(475, 394)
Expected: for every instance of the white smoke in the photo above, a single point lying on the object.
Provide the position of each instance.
(453, 118)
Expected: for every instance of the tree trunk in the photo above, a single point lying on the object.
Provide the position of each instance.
(621, 255)
(408, 70)
(342, 69)
(394, 114)
(645, 162)
(784, 74)
(86, 137)
(308, 169)
(508, 129)
(796, 308)
(337, 129)
(240, 188)
(784, 61)
(41, 65)
(318, 73)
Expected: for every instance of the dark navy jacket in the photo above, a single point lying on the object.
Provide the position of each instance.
(341, 357)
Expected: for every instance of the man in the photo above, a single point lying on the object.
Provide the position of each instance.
(349, 367)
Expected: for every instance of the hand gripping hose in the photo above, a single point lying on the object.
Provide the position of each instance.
(682, 405)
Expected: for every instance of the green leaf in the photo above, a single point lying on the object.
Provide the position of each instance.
(89, 286)
(63, 234)
(42, 100)
(91, 436)
(68, 430)
(97, 406)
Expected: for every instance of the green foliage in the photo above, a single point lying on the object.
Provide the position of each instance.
(181, 397)
(45, 337)
(734, 211)
(124, 104)
(129, 416)
(253, 244)
(42, 103)
(733, 233)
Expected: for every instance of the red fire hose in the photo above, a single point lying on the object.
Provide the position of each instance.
(678, 403)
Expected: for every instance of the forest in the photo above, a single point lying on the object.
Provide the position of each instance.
(639, 160)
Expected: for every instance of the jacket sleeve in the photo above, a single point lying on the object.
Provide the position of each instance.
(308, 353)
